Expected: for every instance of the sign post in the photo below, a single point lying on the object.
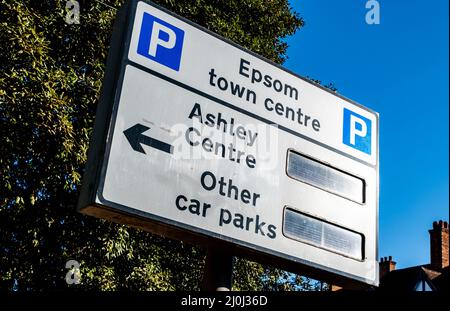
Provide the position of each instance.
(218, 271)
(199, 139)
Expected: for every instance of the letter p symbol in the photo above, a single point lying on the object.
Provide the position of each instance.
(159, 32)
(357, 131)
(357, 127)
(160, 41)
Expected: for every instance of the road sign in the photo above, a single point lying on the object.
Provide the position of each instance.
(199, 139)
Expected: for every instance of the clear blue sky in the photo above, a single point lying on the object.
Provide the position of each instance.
(400, 69)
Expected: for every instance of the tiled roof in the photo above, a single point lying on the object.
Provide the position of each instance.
(406, 279)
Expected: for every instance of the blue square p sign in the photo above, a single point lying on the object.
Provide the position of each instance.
(160, 41)
(357, 131)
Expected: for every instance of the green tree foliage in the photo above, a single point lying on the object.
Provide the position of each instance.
(50, 78)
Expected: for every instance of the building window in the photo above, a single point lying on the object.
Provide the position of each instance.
(422, 286)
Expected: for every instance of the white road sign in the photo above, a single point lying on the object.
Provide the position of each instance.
(198, 137)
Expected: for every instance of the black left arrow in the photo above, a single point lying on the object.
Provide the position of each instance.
(136, 139)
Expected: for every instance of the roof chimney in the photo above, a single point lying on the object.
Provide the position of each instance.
(439, 245)
(386, 265)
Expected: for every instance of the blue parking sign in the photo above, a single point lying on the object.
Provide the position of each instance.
(357, 131)
(160, 41)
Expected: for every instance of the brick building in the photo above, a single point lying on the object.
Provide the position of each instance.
(430, 277)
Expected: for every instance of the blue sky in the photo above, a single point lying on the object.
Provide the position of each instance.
(400, 69)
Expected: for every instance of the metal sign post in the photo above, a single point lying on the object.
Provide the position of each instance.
(199, 139)
(218, 271)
